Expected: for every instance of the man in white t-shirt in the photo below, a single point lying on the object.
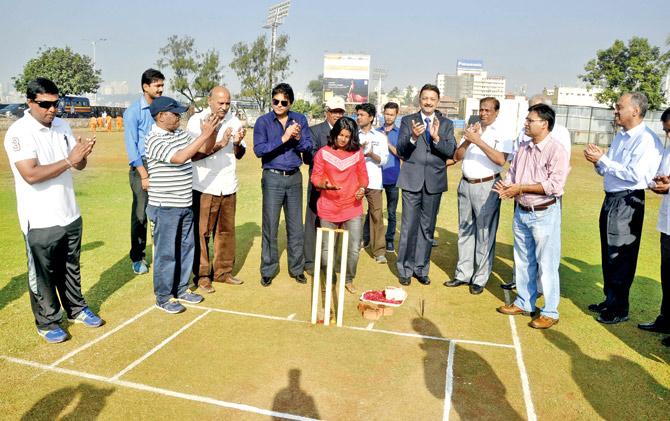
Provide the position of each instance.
(483, 150)
(375, 148)
(215, 193)
(42, 150)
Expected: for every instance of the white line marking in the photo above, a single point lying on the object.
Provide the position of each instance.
(158, 347)
(370, 326)
(242, 313)
(290, 316)
(157, 390)
(449, 382)
(525, 385)
(100, 338)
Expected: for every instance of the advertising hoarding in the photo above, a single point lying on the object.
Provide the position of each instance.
(346, 76)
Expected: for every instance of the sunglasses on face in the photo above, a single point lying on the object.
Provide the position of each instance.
(47, 104)
(276, 102)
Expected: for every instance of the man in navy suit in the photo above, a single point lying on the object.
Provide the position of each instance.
(425, 143)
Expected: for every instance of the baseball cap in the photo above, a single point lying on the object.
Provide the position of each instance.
(335, 103)
(164, 103)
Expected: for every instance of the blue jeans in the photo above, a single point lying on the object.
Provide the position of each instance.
(537, 255)
(354, 226)
(173, 250)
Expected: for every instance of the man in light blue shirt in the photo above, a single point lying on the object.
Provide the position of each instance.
(628, 168)
(138, 122)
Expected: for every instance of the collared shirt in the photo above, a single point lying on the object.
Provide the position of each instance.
(663, 224)
(475, 162)
(376, 142)
(138, 122)
(216, 174)
(560, 133)
(631, 161)
(544, 163)
(268, 146)
(391, 169)
(170, 185)
(50, 202)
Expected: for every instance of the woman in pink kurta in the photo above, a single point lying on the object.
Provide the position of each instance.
(340, 175)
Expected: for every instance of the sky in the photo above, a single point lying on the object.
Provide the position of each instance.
(533, 44)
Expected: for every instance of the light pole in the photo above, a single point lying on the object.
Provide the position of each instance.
(276, 14)
(379, 73)
(94, 43)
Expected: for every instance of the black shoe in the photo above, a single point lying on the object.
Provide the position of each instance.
(508, 286)
(476, 289)
(658, 325)
(404, 281)
(597, 308)
(300, 278)
(423, 280)
(266, 281)
(454, 283)
(666, 341)
(610, 318)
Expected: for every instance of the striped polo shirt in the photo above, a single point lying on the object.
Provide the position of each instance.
(169, 184)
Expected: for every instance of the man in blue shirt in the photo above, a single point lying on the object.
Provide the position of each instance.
(390, 172)
(138, 124)
(280, 137)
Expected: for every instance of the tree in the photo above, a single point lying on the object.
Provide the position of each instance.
(73, 73)
(623, 68)
(409, 97)
(315, 87)
(395, 93)
(251, 65)
(301, 106)
(194, 74)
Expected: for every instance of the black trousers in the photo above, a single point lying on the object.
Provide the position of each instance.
(138, 216)
(53, 273)
(665, 277)
(621, 218)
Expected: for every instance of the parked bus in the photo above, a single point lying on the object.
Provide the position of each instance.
(74, 107)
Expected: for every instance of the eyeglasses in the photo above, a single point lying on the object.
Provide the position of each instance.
(47, 104)
(528, 120)
(276, 102)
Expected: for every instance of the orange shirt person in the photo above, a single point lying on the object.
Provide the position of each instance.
(119, 123)
(100, 122)
(93, 124)
(108, 123)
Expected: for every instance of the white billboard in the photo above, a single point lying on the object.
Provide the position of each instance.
(347, 76)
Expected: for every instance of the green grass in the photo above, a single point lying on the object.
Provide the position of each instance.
(577, 370)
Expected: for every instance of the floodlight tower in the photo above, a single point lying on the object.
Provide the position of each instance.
(379, 73)
(276, 14)
(94, 42)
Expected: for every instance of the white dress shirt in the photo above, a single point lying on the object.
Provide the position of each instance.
(376, 142)
(631, 161)
(216, 174)
(663, 224)
(475, 162)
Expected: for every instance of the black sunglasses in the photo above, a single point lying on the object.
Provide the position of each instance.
(47, 104)
(283, 103)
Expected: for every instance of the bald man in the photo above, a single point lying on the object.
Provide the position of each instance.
(214, 194)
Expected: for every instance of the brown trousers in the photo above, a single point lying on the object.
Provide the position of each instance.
(215, 216)
(377, 231)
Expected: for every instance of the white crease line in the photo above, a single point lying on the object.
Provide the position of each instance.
(525, 384)
(449, 382)
(290, 316)
(242, 313)
(157, 390)
(158, 347)
(370, 326)
(100, 338)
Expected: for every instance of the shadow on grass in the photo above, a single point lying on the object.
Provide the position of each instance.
(477, 391)
(18, 285)
(88, 402)
(244, 240)
(293, 400)
(111, 280)
(616, 388)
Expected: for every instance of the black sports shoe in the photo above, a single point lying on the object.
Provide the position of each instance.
(597, 308)
(476, 289)
(300, 278)
(404, 281)
(266, 281)
(508, 286)
(610, 318)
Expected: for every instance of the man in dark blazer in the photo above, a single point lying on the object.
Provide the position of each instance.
(320, 133)
(425, 143)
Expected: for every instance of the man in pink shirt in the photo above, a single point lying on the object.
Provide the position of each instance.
(536, 180)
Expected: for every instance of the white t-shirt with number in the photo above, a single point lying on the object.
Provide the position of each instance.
(51, 202)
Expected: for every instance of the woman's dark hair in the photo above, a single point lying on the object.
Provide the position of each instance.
(345, 123)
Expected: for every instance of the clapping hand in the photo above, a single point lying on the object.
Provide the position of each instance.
(209, 125)
(435, 130)
(417, 129)
(81, 150)
(592, 153)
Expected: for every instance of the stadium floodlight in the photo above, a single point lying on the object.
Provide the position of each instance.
(379, 74)
(276, 15)
(94, 42)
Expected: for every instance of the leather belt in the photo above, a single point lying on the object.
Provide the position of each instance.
(481, 180)
(282, 172)
(540, 207)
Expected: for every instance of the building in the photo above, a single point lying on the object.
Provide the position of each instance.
(569, 95)
(471, 81)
